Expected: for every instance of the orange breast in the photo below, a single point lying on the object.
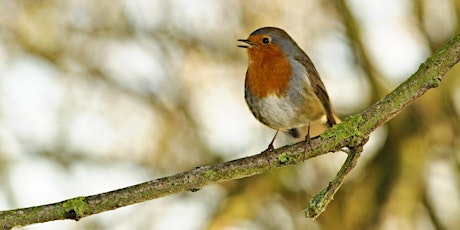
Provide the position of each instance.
(269, 71)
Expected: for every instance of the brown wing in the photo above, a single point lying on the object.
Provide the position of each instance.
(318, 88)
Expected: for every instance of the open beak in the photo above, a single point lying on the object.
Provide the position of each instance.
(247, 42)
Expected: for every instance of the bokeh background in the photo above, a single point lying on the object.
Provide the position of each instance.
(100, 95)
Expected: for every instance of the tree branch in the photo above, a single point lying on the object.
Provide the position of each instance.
(321, 200)
(352, 133)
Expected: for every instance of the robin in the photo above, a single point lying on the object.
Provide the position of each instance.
(282, 88)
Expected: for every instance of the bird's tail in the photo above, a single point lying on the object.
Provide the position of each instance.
(316, 128)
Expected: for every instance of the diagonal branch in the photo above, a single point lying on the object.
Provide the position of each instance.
(352, 133)
(321, 200)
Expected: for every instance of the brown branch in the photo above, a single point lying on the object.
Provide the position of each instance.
(352, 133)
(321, 200)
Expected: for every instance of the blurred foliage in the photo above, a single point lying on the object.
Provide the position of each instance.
(157, 88)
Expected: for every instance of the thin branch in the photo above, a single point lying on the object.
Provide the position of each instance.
(352, 133)
(321, 200)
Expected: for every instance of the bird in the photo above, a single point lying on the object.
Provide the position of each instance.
(282, 88)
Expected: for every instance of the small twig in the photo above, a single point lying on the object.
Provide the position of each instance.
(321, 200)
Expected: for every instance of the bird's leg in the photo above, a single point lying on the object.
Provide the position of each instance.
(307, 142)
(270, 146)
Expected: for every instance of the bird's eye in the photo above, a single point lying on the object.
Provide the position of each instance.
(266, 40)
